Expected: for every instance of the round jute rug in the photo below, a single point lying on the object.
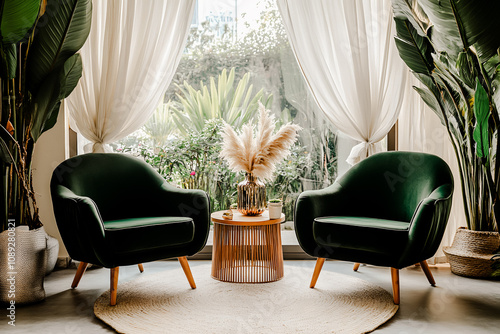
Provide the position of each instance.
(164, 303)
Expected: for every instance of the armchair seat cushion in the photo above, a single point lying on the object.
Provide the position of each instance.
(140, 234)
(363, 234)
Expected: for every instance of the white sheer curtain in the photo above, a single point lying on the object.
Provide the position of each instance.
(347, 54)
(129, 59)
(419, 129)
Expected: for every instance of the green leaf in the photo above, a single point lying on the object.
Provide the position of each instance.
(430, 95)
(481, 133)
(444, 33)
(491, 65)
(412, 12)
(459, 24)
(5, 139)
(10, 53)
(73, 72)
(414, 49)
(52, 120)
(495, 82)
(465, 65)
(58, 85)
(452, 103)
(44, 102)
(66, 29)
(457, 92)
(5, 155)
(480, 25)
(431, 101)
(17, 19)
(496, 94)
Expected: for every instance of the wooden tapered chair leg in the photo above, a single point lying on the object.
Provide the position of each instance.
(395, 285)
(356, 266)
(141, 267)
(427, 272)
(79, 273)
(113, 285)
(187, 271)
(317, 270)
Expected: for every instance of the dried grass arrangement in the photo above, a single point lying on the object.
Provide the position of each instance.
(259, 154)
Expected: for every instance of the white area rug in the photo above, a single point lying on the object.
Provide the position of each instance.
(164, 303)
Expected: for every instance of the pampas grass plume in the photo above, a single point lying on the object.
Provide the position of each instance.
(258, 155)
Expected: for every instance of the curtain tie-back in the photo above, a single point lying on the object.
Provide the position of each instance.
(363, 150)
(99, 147)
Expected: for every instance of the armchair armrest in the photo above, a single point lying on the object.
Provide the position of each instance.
(182, 202)
(312, 204)
(427, 225)
(86, 241)
(168, 200)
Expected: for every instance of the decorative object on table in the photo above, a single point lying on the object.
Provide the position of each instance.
(228, 214)
(275, 208)
(373, 215)
(454, 54)
(351, 305)
(22, 274)
(471, 254)
(40, 68)
(257, 156)
(251, 196)
(128, 212)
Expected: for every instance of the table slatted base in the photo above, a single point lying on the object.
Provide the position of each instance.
(247, 254)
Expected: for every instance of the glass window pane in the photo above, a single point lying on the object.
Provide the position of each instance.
(237, 53)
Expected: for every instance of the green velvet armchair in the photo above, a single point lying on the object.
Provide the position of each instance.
(390, 210)
(114, 210)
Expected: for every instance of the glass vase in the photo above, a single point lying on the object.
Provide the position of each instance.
(251, 196)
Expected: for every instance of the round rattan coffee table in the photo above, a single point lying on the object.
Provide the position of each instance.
(247, 249)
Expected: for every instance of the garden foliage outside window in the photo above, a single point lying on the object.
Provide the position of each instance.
(236, 55)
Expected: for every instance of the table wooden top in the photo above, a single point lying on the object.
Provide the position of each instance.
(239, 219)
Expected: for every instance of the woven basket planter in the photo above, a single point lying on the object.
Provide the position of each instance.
(471, 252)
(22, 265)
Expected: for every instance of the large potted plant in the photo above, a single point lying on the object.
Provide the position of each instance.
(452, 47)
(38, 68)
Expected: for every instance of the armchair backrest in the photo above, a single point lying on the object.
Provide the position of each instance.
(120, 185)
(390, 185)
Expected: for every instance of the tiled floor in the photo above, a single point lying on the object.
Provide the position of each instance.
(456, 305)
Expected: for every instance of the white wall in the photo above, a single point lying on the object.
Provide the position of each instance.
(50, 150)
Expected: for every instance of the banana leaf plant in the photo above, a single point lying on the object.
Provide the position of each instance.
(38, 68)
(452, 47)
(235, 105)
